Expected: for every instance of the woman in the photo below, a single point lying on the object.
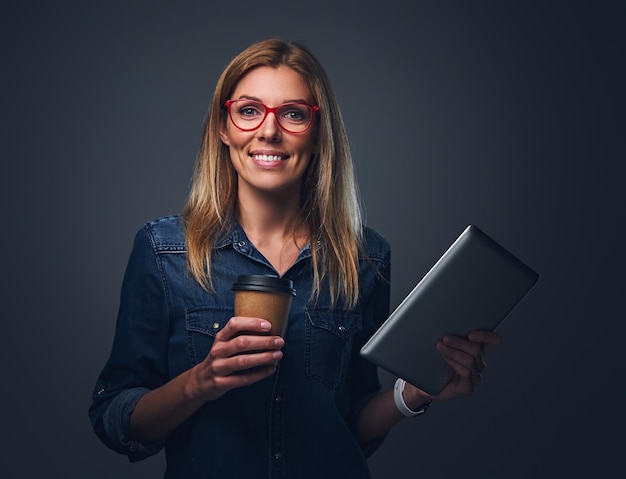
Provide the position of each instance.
(273, 193)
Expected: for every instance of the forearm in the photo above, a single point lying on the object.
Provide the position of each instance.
(380, 414)
(161, 410)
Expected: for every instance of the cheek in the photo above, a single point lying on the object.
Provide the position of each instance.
(236, 140)
(310, 144)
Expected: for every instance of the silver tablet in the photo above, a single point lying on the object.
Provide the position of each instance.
(474, 285)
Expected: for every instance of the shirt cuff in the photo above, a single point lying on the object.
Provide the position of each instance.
(116, 423)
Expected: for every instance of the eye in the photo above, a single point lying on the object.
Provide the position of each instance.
(249, 111)
(295, 113)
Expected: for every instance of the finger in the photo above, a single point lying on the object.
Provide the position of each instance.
(242, 362)
(470, 347)
(465, 365)
(489, 340)
(250, 362)
(238, 324)
(251, 343)
(456, 358)
(462, 383)
(245, 344)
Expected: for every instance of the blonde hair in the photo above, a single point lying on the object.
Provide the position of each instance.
(330, 206)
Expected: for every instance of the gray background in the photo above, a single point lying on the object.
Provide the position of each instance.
(509, 115)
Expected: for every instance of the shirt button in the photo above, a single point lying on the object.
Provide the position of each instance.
(242, 243)
(278, 456)
(342, 329)
(216, 325)
(278, 399)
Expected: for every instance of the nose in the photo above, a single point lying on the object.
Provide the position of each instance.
(269, 130)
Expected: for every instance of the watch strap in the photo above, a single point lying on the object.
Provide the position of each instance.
(398, 389)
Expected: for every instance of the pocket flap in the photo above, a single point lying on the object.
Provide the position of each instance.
(207, 320)
(340, 323)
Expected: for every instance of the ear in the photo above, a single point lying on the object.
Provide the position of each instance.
(224, 134)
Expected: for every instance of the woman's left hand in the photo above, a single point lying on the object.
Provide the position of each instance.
(465, 356)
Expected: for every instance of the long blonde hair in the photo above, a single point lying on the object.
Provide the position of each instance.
(330, 207)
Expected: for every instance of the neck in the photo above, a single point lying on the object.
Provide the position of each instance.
(272, 223)
(269, 217)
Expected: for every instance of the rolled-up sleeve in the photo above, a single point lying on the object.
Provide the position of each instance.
(138, 359)
(115, 423)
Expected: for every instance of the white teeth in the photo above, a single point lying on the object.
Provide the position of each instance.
(267, 157)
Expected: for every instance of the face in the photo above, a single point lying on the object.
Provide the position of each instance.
(270, 159)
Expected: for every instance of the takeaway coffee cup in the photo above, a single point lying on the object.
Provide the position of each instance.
(266, 297)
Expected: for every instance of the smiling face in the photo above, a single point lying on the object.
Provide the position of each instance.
(270, 159)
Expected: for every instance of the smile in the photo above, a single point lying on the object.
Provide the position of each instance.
(268, 157)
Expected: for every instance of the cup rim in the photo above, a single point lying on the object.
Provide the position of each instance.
(264, 283)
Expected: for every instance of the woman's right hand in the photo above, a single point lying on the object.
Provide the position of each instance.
(242, 353)
(242, 344)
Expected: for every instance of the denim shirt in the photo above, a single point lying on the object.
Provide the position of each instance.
(298, 423)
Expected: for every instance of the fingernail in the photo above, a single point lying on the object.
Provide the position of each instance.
(277, 355)
(279, 342)
(266, 325)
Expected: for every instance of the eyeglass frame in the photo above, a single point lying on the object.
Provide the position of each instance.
(268, 110)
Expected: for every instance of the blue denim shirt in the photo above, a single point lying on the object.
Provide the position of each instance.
(298, 423)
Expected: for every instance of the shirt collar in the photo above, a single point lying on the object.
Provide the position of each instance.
(237, 237)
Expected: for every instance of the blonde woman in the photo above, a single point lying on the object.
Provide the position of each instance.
(273, 194)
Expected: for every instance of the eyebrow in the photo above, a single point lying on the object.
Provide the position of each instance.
(249, 97)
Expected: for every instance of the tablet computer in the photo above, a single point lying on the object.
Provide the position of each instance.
(474, 285)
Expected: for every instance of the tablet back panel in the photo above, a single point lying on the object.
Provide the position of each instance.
(474, 285)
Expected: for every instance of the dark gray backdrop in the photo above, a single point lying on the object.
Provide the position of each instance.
(509, 115)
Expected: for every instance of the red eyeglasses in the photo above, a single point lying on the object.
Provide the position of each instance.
(248, 115)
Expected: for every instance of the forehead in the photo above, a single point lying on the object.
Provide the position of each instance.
(273, 85)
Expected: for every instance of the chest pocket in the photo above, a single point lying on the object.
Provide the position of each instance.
(202, 325)
(329, 338)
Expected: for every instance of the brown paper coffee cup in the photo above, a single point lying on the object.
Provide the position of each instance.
(265, 297)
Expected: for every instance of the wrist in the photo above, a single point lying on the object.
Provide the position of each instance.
(415, 398)
(418, 406)
(194, 390)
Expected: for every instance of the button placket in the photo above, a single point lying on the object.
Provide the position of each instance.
(277, 427)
